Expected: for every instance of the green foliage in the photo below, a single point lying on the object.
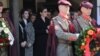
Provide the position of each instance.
(78, 43)
(3, 34)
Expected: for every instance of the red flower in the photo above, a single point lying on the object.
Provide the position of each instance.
(94, 36)
(82, 47)
(90, 32)
(88, 40)
(4, 41)
(1, 40)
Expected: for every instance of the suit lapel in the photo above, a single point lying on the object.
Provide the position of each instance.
(62, 23)
(22, 23)
(84, 21)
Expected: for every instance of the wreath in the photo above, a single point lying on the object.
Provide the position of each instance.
(86, 43)
(4, 41)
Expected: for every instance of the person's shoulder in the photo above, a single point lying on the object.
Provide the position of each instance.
(29, 23)
(37, 19)
(21, 21)
(56, 17)
(79, 18)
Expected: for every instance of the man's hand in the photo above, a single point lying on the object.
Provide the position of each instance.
(72, 38)
(29, 45)
(23, 44)
(47, 31)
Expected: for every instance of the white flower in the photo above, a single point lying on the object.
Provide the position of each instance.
(3, 24)
(1, 44)
(6, 30)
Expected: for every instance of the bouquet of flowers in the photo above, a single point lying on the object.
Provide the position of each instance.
(85, 45)
(4, 41)
(98, 34)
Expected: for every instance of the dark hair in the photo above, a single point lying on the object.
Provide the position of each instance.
(22, 12)
(41, 9)
(30, 15)
(33, 14)
(1, 4)
(5, 9)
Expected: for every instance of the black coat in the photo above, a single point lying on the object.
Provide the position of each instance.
(40, 36)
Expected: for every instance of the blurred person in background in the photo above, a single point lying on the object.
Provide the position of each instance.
(41, 23)
(26, 34)
(33, 17)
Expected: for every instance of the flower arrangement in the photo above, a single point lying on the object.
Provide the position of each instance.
(85, 44)
(4, 41)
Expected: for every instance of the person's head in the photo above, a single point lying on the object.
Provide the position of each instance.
(32, 17)
(74, 15)
(5, 11)
(43, 11)
(1, 7)
(30, 11)
(49, 16)
(86, 8)
(24, 14)
(64, 6)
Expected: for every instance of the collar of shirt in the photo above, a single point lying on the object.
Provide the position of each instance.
(25, 21)
(86, 17)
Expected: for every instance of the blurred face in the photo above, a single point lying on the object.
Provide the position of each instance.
(7, 13)
(49, 15)
(44, 13)
(33, 18)
(1, 8)
(86, 11)
(26, 15)
(64, 9)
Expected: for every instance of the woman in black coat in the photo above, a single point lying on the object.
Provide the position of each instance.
(41, 35)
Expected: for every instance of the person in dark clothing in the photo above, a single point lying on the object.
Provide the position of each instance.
(41, 34)
(26, 34)
(22, 32)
